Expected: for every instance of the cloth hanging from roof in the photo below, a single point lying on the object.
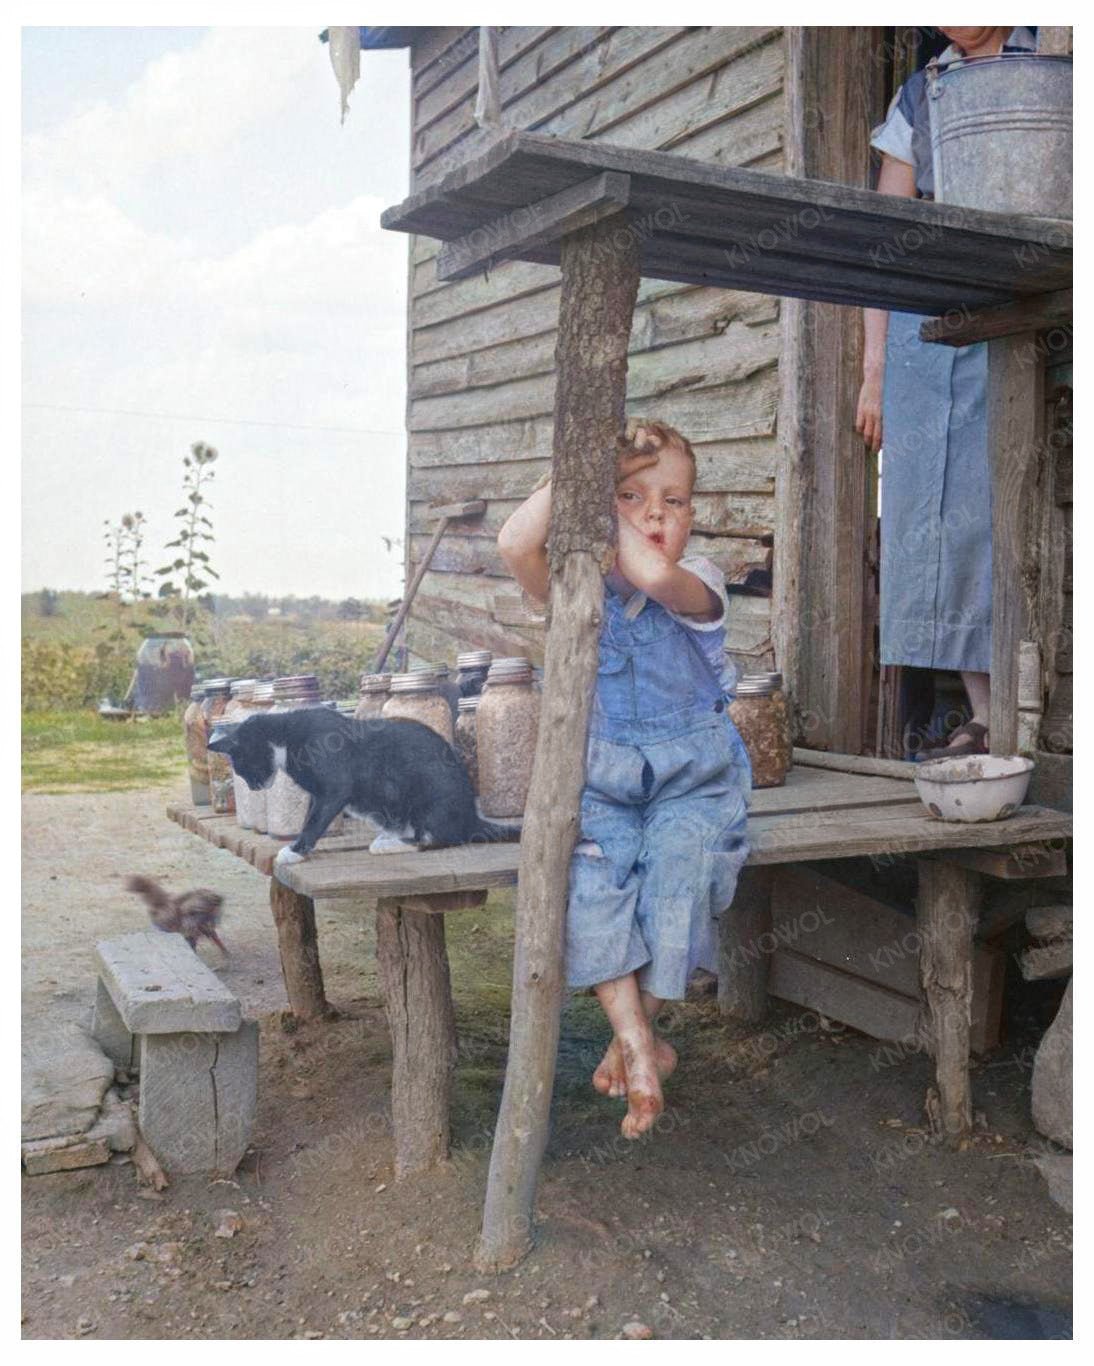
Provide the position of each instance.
(345, 58)
(488, 101)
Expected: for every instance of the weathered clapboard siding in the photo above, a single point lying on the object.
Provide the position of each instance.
(481, 350)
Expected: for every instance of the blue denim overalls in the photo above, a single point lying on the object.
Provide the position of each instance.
(663, 810)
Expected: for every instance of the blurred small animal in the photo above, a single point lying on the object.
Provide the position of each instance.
(195, 915)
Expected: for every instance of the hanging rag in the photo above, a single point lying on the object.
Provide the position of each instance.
(488, 102)
(345, 58)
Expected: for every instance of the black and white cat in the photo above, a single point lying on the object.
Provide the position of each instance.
(399, 773)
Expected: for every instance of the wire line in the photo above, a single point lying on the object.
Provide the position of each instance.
(232, 421)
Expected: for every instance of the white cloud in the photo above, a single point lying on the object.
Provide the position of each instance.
(186, 105)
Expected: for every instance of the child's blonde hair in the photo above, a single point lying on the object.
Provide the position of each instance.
(641, 444)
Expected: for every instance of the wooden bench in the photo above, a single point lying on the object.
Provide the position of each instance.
(819, 814)
(160, 1011)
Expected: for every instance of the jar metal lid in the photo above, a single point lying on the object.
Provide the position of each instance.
(474, 659)
(511, 669)
(759, 685)
(218, 687)
(375, 682)
(469, 703)
(242, 687)
(419, 680)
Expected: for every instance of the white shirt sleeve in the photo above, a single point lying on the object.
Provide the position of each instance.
(894, 136)
(715, 580)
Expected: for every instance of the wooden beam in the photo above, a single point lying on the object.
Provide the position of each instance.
(946, 910)
(298, 944)
(822, 497)
(600, 276)
(1012, 865)
(523, 230)
(1015, 421)
(962, 327)
(743, 955)
(413, 967)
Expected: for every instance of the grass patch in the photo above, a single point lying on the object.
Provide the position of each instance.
(77, 751)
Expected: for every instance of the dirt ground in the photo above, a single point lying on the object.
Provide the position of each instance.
(788, 1192)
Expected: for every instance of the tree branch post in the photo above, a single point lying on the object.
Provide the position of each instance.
(600, 275)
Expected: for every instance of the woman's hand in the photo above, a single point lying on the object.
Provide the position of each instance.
(868, 412)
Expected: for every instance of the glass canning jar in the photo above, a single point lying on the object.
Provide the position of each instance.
(375, 690)
(466, 738)
(218, 693)
(420, 695)
(472, 666)
(508, 727)
(286, 802)
(197, 755)
(762, 716)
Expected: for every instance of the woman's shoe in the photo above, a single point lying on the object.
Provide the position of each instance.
(972, 738)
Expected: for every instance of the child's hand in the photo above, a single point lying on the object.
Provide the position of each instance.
(636, 451)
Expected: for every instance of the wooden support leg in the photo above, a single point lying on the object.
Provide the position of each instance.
(414, 972)
(744, 955)
(294, 916)
(947, 911)
(600, 272)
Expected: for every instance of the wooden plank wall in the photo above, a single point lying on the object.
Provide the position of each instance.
(481, 353)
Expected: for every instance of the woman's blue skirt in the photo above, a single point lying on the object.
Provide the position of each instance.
(935, 503)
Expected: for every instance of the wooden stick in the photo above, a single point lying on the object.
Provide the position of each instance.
(149, 1171)
(413, 963)
(449, 514)
(947, 910)
(854, 763)
(600, 277)
(298, 944)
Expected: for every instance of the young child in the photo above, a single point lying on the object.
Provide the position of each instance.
(667, 776)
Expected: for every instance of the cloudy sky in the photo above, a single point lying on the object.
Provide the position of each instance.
(202, 261)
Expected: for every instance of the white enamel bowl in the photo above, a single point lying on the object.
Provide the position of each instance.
(974, 787)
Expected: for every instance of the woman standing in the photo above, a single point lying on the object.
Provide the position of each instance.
(929, 402)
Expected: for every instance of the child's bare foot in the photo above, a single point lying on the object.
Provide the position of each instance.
(644, 1099)
(610, 1077)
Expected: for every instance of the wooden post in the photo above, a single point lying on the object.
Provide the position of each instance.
(834, 90)
(743, 956)
(947, 909)
(600, 273)
(1015, 413)
(413, 963)
(298, 944)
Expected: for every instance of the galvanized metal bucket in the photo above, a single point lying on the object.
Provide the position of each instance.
(1001, 133)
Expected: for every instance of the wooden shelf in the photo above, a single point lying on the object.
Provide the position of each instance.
(703, 224)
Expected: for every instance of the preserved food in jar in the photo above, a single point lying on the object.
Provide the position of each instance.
(286, 802)
(375, 690)
(261, 700)
(472, 666)
(218, 693)
(762, 716)
(420, 696)
(508, 726)
(466, 738)
(197, 755)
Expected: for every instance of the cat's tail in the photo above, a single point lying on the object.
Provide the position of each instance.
(153, 893)
(492, 833)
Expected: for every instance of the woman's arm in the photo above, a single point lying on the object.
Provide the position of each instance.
(896, 178)
(522, 543)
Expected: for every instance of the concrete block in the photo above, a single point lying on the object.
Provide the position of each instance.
(109, 1031)
(160, 986)
(198, 1098)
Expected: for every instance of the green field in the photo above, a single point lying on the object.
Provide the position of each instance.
(77, 751)
(79, 647)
